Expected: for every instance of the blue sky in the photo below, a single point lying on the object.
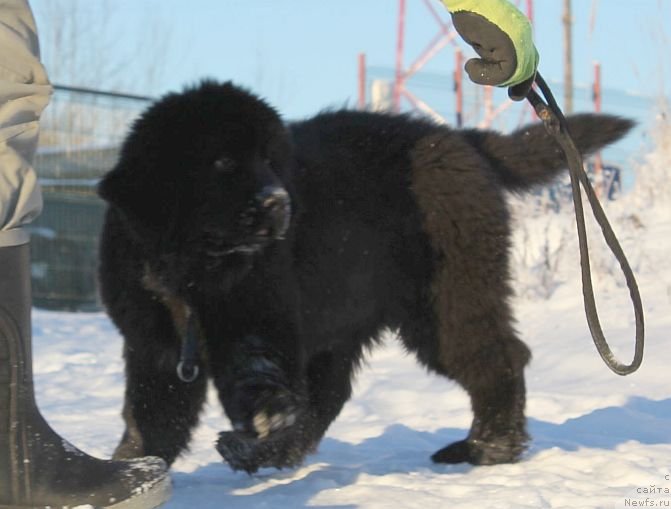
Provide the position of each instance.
(301, 54)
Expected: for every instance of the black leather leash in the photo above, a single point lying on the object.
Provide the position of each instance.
(555, 124)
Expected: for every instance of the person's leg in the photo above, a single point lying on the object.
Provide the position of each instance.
(38, 468)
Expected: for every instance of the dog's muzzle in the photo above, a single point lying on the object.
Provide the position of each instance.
(266, 219)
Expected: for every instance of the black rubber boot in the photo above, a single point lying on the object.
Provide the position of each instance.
(38, 468)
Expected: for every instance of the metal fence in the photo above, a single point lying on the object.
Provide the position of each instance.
(80, 137)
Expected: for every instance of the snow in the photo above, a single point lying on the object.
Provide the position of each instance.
(599, 440)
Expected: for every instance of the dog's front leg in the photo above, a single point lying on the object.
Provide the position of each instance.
(263, 393)
(262, 390)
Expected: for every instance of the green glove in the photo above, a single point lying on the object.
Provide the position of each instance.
(501, 35)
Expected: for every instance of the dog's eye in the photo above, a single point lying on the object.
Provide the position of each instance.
(224, 165)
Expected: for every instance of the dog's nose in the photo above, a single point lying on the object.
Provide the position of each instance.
(272, 197)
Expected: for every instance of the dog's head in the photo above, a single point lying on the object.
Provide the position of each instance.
(201, 180)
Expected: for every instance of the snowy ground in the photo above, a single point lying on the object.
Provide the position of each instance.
(597, 438)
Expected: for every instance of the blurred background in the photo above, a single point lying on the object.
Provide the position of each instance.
(108, 59)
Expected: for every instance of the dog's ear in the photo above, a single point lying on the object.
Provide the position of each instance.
(134, 195)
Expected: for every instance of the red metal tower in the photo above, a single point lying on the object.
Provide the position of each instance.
(445, 36)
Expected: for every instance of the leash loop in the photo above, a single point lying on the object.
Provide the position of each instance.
(555, 124)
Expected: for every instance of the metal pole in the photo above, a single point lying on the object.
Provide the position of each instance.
(597, 87)
(598, 161)
(530, 15)
(398, 84)
(459, 85)
(362, 81)
(489, 107)
(568, 58)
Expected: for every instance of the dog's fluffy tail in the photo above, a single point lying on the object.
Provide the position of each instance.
(530, 156)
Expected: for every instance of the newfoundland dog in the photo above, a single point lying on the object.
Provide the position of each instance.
(269, 256)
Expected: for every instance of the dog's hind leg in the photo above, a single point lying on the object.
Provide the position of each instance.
(494, 380)
(469, 336)
(474, 344)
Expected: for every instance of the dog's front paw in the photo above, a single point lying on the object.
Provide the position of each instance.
(285, 448)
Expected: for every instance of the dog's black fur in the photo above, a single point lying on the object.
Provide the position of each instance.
(294, 246)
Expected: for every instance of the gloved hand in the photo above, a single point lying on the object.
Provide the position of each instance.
(501, 35)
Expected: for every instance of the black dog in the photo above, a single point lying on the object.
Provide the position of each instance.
(288, 249)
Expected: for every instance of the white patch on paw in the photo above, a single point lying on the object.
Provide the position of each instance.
(262, 424)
